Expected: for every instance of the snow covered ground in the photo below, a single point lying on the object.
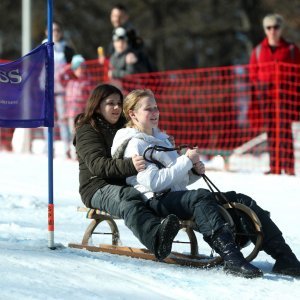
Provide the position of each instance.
(29, 270)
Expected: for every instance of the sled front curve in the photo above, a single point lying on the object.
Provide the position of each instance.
(255, 235)
(93, 225)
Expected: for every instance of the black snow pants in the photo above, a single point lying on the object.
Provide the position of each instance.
(201, 206)
(126, 203)
(198, 205)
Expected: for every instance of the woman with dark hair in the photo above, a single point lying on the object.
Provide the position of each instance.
(102, 179)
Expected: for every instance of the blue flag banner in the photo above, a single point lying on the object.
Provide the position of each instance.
(26, 90)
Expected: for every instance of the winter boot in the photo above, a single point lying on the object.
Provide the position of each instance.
(165, 236)
(286, 261)
(234, 262)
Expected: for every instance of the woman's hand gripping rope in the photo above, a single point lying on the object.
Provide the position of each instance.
(194, 156)
(199, 167)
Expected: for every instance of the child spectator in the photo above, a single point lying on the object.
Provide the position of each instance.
(77, 92)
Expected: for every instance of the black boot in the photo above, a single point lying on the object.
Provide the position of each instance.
(286, 261)
(234, 262)
(165, 236)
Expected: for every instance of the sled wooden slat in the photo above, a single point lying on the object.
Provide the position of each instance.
(174, 258)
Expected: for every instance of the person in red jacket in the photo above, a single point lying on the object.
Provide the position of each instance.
(271, 84)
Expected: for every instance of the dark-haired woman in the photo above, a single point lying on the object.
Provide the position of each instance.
(102, 179)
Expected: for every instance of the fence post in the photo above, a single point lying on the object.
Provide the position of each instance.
(277, 118)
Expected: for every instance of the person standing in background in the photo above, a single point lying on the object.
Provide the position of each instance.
(274, 48)
(6, 135)
(126, 61)
(77, 91)
(62, 55)
(119, 17)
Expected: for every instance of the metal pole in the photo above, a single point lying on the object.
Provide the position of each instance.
(26, 26)
(50, 147)
(26, 47)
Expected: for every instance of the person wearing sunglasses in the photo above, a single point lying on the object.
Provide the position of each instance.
(267, 80)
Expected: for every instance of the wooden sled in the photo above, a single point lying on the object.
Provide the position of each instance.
(192, 257)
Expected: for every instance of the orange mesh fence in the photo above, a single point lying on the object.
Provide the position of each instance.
(201, 107)
(247, 114)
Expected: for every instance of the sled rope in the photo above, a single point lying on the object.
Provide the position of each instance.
(160, 165)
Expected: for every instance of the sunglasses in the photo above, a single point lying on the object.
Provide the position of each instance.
(275, 27)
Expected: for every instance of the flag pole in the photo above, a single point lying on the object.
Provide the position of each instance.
(50, 144)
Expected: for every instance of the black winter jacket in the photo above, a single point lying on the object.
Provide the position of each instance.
(96, 167)
(120, 68)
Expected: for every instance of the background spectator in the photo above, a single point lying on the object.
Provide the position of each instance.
(62, 55)
(6, 135)
(274, 49)
(77, 91)
(125, 61)
(119, 17)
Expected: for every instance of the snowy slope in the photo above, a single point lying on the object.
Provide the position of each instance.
(29, 270)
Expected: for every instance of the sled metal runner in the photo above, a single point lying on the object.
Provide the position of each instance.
(191, 258)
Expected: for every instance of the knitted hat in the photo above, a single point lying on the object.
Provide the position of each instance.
(77, 61)
(119, 34)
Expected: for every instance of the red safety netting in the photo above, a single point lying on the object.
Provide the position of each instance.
(249, 116)
(232, 111)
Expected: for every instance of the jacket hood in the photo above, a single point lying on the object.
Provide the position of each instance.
(124, 135)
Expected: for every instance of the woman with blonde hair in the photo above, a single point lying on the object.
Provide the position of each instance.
(164, 181)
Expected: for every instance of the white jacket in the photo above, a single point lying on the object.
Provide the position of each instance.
(175, 176)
